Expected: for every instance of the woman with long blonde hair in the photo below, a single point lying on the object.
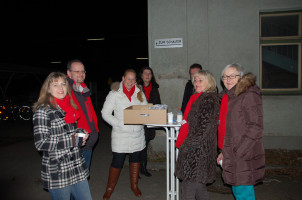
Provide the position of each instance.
(64, 171)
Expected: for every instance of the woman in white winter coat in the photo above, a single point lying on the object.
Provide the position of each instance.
(125, 139)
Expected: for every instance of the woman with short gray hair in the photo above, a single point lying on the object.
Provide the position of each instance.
(236, 66)
(240, 132)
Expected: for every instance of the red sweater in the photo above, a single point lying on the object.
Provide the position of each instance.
(184, 129)
(147, 91)
(222, 120)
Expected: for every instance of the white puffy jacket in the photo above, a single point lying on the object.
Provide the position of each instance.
(124, 138)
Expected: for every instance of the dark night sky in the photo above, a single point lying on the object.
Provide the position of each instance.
(34, 33)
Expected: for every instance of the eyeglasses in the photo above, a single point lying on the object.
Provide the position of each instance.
(233, 76)
(78, 72)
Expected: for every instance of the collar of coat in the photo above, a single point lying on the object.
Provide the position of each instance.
(248, 80)
(118, 87)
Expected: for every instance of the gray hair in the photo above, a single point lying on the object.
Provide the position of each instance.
(237, 66)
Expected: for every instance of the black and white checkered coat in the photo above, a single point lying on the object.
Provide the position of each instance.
(62, 164)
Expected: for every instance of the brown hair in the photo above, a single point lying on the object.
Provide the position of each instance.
(140, 74)
(45, 98)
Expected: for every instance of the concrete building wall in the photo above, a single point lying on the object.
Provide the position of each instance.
(216, 33)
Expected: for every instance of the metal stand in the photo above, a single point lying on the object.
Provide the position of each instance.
(171, 155)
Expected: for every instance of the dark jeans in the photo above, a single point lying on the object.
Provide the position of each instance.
(144, 153)
(119, 158)
(87, 155)
(149, 135)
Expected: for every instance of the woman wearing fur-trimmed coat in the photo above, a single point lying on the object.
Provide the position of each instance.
(125, 139)
(197, 139)
(240, 132)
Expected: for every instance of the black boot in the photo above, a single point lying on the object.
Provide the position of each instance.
(144, 170)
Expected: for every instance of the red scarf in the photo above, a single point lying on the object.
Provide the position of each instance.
(83, 122)
(147, 91)
(222, 120)
(128, 93)
(72, 115)
(184, 129)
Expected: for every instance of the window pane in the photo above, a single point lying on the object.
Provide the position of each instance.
(280, 66)
(280, 26)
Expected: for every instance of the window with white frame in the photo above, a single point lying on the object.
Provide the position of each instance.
(280, 53)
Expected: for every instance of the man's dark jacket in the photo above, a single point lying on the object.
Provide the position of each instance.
(83, 101)
(187, 94)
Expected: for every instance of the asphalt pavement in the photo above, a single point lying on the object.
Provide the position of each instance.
(21, 164)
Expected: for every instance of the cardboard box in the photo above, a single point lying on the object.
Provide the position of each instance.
(141, 114)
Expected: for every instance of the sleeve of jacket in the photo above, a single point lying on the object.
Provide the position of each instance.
(44, 140)
(108, 108)
(186, 97)
(157, 97)
(94, 116)
(253, 115)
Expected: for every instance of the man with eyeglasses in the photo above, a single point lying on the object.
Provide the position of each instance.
(81, 96)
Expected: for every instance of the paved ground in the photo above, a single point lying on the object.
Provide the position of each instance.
(20, 172)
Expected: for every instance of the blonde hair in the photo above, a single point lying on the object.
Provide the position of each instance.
(211, 83)
(45, 98)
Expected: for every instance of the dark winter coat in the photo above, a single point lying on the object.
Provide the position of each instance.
(196, 160)
(154, 98)
(243, 151)
(62, 163)
(88, 119)
(187, 95)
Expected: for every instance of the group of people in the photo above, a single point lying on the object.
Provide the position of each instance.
(235, 117)
(64, 111)
(66, 130)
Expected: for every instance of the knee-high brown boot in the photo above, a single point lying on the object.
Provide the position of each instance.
(134, 173)
(114, 174)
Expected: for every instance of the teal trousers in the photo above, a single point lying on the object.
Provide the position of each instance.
(244, 192)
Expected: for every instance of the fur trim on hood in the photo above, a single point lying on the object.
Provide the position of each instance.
(245, 82)
(115, 86)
